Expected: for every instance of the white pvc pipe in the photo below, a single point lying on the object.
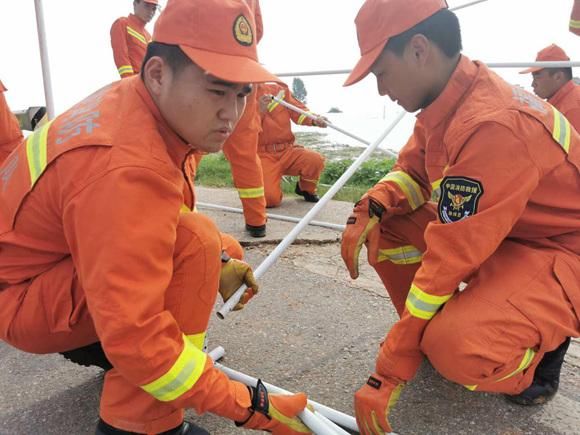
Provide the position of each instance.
(330, 423)
(338, 417)
(44, 59)
(291, 236)
(550, 64)
(465, 5)
(278, 217)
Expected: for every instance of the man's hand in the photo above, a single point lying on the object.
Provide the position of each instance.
(235, 273)
(276, 413)
(320, 121)
(361, 227)
(373, 402)
(263, 102)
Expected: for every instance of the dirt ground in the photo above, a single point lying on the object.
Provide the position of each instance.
(310, 329)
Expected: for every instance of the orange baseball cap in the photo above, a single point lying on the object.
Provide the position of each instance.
(550, 53)
(153, 2)
(379, 20)
(217, 35)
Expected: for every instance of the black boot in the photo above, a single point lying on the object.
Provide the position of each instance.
(256, 231)
(546, 378)
(308, 197)
(184, 428)
(91, 355)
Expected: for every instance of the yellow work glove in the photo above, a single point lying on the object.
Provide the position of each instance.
(361, 227)
(276, 413)
(235, 273)
(373, 402)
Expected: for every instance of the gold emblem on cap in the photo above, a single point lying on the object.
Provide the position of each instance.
(243, 31)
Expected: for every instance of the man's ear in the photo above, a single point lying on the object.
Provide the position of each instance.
(154, 73)
(419, 46)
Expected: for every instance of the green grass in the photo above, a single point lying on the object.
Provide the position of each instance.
(214, 170)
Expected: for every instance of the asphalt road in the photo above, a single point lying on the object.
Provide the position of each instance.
(310, 329)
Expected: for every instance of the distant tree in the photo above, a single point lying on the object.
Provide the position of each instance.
(334, 110)
(299, 90)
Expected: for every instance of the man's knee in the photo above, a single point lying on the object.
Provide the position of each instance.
(197, 231)
(453, 349)
(273, 199)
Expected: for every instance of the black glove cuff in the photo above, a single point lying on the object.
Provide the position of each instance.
(260, 402)
(375, 208)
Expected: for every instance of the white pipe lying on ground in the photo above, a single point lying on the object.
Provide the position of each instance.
(333, 415)
(275, 217)
(291, 236)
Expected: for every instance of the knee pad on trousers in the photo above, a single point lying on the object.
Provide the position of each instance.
(197, 231)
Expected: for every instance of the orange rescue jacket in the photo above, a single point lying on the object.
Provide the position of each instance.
(276, 126)
(503, 164)
(567, 101)
(107, 175)
(129, 40)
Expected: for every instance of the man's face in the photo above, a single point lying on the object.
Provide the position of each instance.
(545, 84)
(144, 10)
(201, 108)
(399, 77)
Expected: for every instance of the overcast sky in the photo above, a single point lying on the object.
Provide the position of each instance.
(299, 35)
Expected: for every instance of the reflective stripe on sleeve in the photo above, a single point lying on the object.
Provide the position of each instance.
(562, 130)
(36, 152)
(136, 35)
(125, 69)
(407, 254)
(302, 117)
(575, 24)
(272, 105)
(254, 192)
(423, 305)
(409, 187)
(184, 373)
(198, 340)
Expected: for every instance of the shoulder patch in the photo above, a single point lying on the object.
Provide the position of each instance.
(459, 198)
(243, 31)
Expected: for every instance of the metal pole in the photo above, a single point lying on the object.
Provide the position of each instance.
(337, 417)
(291, 236)
(278, 217)
(44, 59)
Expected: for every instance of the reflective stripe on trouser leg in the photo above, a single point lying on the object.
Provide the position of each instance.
(190, 298)
(397, 232)
(407, 254)
(515, 305)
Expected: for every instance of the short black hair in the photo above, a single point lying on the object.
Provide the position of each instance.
(567, 72)
(172, 54)
(442, 28)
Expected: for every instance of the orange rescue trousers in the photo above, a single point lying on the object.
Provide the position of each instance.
(49, 314)
(492, 335)
(292, 160)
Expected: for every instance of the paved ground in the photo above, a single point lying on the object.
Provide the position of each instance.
(311, 329)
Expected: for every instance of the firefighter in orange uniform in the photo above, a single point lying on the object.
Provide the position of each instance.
(10, 134)
(279, 153)
(505, 169)
(241, 150)
(575, 18)
(129, 38)
(556, 84)
(99, 249)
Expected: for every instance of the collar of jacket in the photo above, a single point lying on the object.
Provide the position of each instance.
(445, 104)
(557, 98)
(136, 21)
(177, 148)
